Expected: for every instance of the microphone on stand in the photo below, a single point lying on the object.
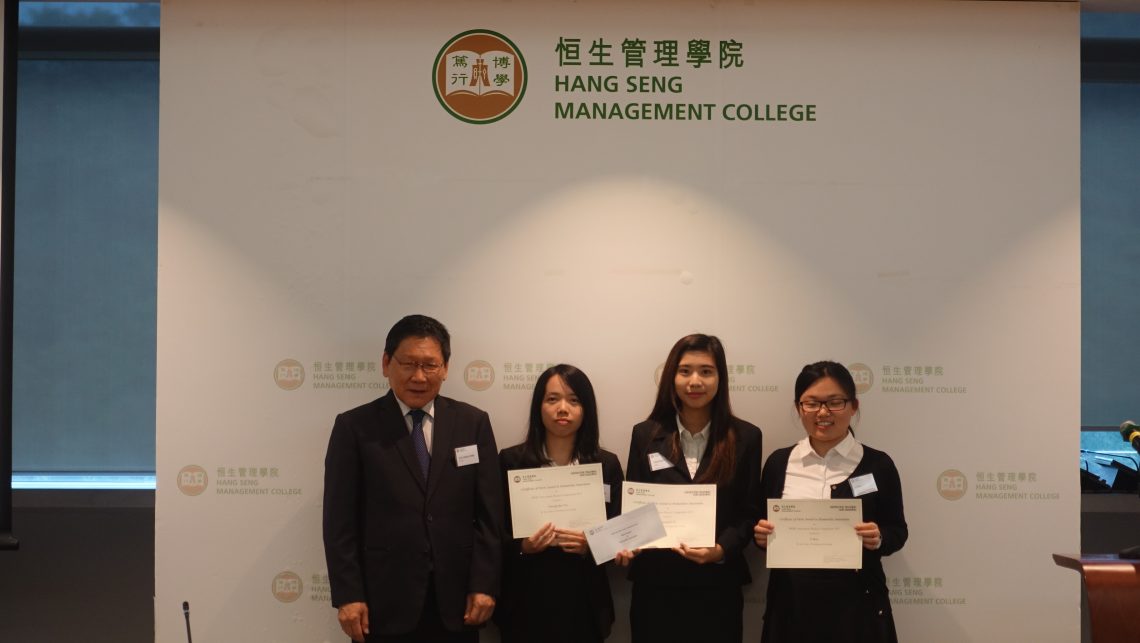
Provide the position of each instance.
(186, 613)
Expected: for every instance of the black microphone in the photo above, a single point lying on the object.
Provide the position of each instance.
(1130, 431)
(186, 613)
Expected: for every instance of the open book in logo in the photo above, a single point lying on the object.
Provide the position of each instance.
(479, 76)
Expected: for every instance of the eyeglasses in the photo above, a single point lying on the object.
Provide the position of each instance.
(429, 368)
(813, 406)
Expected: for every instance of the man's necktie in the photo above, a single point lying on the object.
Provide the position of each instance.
(418, 441)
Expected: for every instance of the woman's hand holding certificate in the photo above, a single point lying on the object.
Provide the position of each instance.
(568, 498)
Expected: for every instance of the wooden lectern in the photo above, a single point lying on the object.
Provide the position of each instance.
(1113, 587)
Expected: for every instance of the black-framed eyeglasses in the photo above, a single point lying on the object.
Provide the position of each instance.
(813, 406)
(429, 368)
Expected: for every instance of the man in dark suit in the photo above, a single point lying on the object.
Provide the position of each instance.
(413, 506)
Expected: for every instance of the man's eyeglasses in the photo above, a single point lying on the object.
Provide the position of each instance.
(429, 368)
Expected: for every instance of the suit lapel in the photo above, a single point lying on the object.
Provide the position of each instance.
(661, 444)
(392, 418)
(442, 438)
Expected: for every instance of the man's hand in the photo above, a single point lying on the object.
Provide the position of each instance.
(479, 608)
(701, 555)
(353, 619)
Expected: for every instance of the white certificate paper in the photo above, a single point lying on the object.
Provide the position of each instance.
(815, 534)
(687, 510)
(630, 530)
(570, 497)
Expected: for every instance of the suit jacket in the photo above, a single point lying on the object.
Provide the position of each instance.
(738, 505)
(858, 607)
(387, 534)
(537, 585)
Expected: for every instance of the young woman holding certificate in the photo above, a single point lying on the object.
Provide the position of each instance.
(830, 463)
(552, 589)
(691, 437)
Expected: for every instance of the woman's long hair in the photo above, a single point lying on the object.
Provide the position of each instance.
(722, 435)
(586, 446)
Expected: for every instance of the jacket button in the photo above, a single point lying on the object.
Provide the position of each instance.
(880, 612)
(429, 517)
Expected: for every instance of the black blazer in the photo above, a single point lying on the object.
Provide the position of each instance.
(738, 505)
(553, 574)
(386, 534)
(860, 607)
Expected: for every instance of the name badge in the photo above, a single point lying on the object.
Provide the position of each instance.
(863, 485)
(466, 455)
(606, 491)
(658, 462)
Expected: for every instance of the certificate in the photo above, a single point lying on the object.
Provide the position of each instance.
(815, 534)
(570, 497)
(688, 511)
(630, 530)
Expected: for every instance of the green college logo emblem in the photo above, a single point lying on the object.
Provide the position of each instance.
(479, 76)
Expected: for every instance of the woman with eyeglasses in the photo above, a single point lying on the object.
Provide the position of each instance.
(692, 437)
(829, 463)
(552, 589)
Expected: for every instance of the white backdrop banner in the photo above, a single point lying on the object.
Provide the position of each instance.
(893, 185)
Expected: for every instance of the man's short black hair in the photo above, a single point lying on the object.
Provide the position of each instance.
(418, 326)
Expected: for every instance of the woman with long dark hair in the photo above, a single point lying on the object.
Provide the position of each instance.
(692, 437)
(552, 589)
(830, 463)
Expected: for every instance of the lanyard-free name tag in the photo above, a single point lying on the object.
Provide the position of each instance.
(658, 462)
(606, 491)
(863, 485)
(466, 455)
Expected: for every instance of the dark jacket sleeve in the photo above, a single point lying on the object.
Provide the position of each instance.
(889, 512)
(341, 515)
(734, 536)
(612, 475)
(487, 553)
(637, 468)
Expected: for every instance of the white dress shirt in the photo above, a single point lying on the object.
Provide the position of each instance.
(428, 423)
(810, 476)
(693, 445)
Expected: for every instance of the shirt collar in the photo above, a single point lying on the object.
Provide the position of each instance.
(573, 461)
(428, 409)
(848, 449)
(698, 437)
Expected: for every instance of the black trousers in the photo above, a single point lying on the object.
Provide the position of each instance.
(686, 614)
(430, 629)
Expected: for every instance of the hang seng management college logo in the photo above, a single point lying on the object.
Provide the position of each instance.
(479, 76)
